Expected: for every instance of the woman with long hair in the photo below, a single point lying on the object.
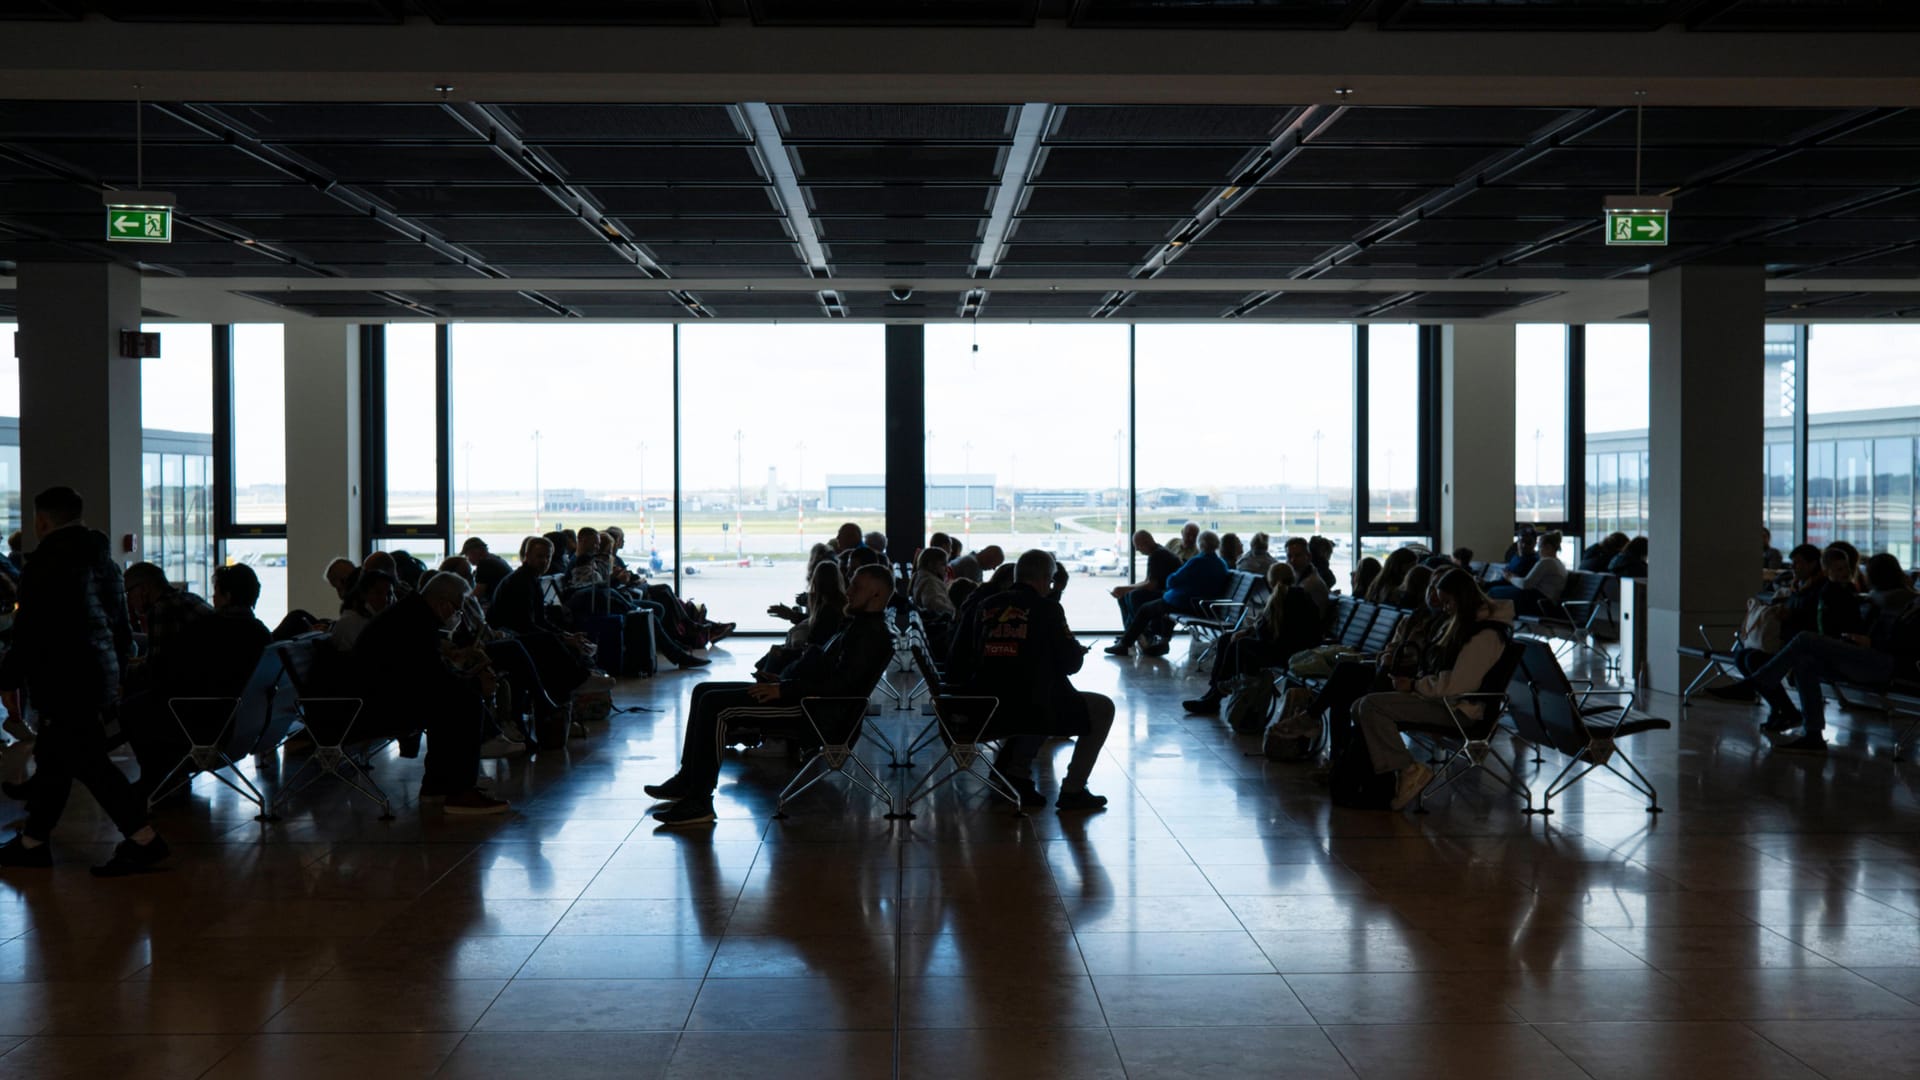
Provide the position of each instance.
(1392, 579)
(1471, 634)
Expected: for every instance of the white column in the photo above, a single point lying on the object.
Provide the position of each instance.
(79, 399)
(323, 458)
(1703, 447)
(1476, 438)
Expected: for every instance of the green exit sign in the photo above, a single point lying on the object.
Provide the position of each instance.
(1645, 227)
(141, 224)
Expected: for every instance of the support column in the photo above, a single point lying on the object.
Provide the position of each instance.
(1704, 451)
(906, 440)
(79, 399)
(1476, 438)
(323, 458)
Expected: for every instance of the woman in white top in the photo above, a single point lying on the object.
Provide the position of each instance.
(1542, 584)
(929, 588)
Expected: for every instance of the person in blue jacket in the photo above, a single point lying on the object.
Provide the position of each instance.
(1203, 577)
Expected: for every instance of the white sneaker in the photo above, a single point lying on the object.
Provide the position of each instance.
(500, 747)
(512, 731)
(1413, 780)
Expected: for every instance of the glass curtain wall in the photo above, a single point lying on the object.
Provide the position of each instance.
(583, 437)
(1027, 446)
(1778, 399)
(260, 462)
(176, 413)
(1278, 459)
(410, 430)
(9, 429)
(1863, 434)
(783, 437)
(1540, 424)
(1616, 424)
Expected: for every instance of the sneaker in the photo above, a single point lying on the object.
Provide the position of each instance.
(1413, 780)
(1029, 794)
(1119, 648)
(1202, 706)
(16, 853)
(692, 662)
(130, 858)
(432, 798)
(1080, 800)
(474, 801)
(1805, 744)
(1738, 691)
(17, 728)
(1158, 648)
(513, 731)
(668, 790)
(688, 811)
(501, 747)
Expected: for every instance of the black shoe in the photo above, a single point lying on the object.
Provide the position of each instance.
(693, 662)
(130, 858)
(1119, 648)
(1158, 648)
(1029, 794)
(1739, 691)
(1080, 800)
(1805, 744)
(1781, 722)
(17, 792)
(16, 853)
(1202, 706)
(669, 789)
(688, 811)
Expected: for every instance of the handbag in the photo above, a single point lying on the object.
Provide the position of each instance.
(1764, 627)
(1293, 734)
(1248, 704)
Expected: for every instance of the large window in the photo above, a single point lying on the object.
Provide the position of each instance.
(259, 473)
(1863, 421)
(784, 437)
(1027, 447)
(1617, 411)
(1268, 452)
(1783, 370)
(582, 438)
(411, 461)
(1540, 424)
(1393, 424)
(176, 413)
(9, 429)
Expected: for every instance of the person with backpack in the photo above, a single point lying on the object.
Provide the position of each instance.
(1848, 651)
(1472, 634)
(1287, 624)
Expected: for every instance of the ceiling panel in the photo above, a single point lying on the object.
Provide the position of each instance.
(816, 164)
(866, 123)
(1169, 123)
(644, 164)
(1164, 164)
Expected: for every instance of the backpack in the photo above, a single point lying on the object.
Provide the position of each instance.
(1353, 784)
(1248, 704)
(1317, 663)
(1293, 734)
(1764, 629)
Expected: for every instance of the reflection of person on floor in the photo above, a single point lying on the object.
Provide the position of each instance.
(850, 666)
(1024, 653)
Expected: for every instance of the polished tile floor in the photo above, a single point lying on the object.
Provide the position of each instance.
(1219, 919)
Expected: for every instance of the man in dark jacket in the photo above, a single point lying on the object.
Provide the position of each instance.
(70, 641)
(408, 686)
(1025, 654)
(1203, 577)
(850, 666)
(489, 570)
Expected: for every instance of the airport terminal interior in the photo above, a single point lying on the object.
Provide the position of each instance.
(1469, 450)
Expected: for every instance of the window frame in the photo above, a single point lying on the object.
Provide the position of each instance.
(1426, 403)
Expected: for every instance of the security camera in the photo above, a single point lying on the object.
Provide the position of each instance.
(902, 292)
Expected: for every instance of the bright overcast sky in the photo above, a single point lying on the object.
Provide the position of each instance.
(1220, 405)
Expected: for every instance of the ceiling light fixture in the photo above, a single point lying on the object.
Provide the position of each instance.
(1343, 92)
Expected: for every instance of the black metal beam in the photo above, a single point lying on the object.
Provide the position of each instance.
(906, 432)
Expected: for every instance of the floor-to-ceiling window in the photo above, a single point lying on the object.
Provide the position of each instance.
(1779, 395)
(1863, 421)
(9, 430)
(1616, 425)
(410, 430)
(564, 426)
(1395, 501)
(260, 462)
(1027, 446)
(176, 413)
(1540, 424)
(783, 437)
(1247, 428)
